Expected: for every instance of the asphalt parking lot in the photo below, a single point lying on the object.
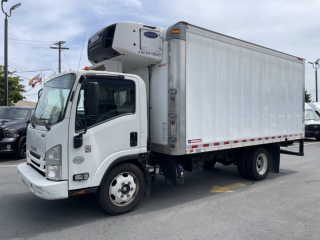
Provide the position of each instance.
(215, 204)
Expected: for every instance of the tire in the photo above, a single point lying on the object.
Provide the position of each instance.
(258, 163)
(318, 138)
(21, 148)
(122, 189)
(241, 164)
(209, 165)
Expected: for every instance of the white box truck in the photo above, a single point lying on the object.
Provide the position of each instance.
(158, 102)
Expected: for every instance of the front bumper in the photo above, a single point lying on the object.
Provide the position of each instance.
(40, 186)
(8, 141)
(312, 133)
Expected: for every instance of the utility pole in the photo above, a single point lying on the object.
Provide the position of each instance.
(6, 49)
(315, 65)
(59, 47)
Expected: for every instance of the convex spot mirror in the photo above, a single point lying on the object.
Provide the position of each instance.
(92, 98)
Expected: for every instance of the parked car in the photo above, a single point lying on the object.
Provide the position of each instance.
(312, 123)
(13, 129)
(316, 107)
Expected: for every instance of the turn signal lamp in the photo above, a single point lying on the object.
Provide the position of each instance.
(175, 31)
(78, 192)
(86, 68)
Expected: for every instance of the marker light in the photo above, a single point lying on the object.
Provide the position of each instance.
(78, 192)
(86, 68)
(175, 31)
(81, 176)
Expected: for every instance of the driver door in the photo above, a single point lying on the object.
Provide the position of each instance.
(109, 134)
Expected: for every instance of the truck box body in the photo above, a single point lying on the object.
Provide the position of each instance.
(227, 93)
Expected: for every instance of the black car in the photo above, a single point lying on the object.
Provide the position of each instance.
(13, 129)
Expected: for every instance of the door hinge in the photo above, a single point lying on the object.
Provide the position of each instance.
(172, 117)
(172, 93)
(172, 141)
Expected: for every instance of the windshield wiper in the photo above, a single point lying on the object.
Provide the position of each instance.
(32, 124)
(47, 125)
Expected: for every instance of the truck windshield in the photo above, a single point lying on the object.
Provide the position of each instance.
(311, 115)
(13, 113)
(53, 100)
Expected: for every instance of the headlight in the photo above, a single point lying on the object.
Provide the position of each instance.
(53, 155)
(53, 162)
(53, 172)
(10, 133)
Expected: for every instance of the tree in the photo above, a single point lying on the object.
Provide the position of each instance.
(15, 89)
(307, 97)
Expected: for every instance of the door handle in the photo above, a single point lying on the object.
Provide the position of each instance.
(133, 139)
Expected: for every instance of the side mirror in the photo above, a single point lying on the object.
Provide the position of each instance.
(92, 98)
(77, 141)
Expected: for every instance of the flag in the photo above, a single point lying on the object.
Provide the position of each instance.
(34, 80)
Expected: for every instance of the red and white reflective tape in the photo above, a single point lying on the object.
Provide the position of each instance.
(252, 140)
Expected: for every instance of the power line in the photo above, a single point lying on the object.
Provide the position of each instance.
(36, 70)
(24, 40)
(24, 32)
(14, 65)
(20, 39)
(66, 59)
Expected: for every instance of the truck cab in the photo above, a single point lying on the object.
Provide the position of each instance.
(99, 118)
(312, 123)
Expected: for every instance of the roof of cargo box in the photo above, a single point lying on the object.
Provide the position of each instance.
(182, 35)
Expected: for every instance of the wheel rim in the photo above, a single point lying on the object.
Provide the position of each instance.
(262, 164)
(123, 189)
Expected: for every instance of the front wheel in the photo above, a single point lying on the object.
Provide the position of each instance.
(122, 189)
(21, 148)
(258, 163)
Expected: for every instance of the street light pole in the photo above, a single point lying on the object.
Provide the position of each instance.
(6, 49)
(315, 65)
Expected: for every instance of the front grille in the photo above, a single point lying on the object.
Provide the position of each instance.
(42, 173)
(34, 155)
(314, 127)
(1, 134)
(37, 164)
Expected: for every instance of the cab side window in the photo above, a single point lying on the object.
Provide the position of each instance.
(117, 98)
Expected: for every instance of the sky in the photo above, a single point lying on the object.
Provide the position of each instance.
(289, 26)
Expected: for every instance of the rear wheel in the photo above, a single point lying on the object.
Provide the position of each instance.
(257, 164)
(318, 138)
(21, 148)
(122, 189)
(241, 164)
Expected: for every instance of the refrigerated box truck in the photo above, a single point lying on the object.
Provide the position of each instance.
(160, 102)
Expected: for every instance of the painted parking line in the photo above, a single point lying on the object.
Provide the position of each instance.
(3, 166)
(217, 189)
